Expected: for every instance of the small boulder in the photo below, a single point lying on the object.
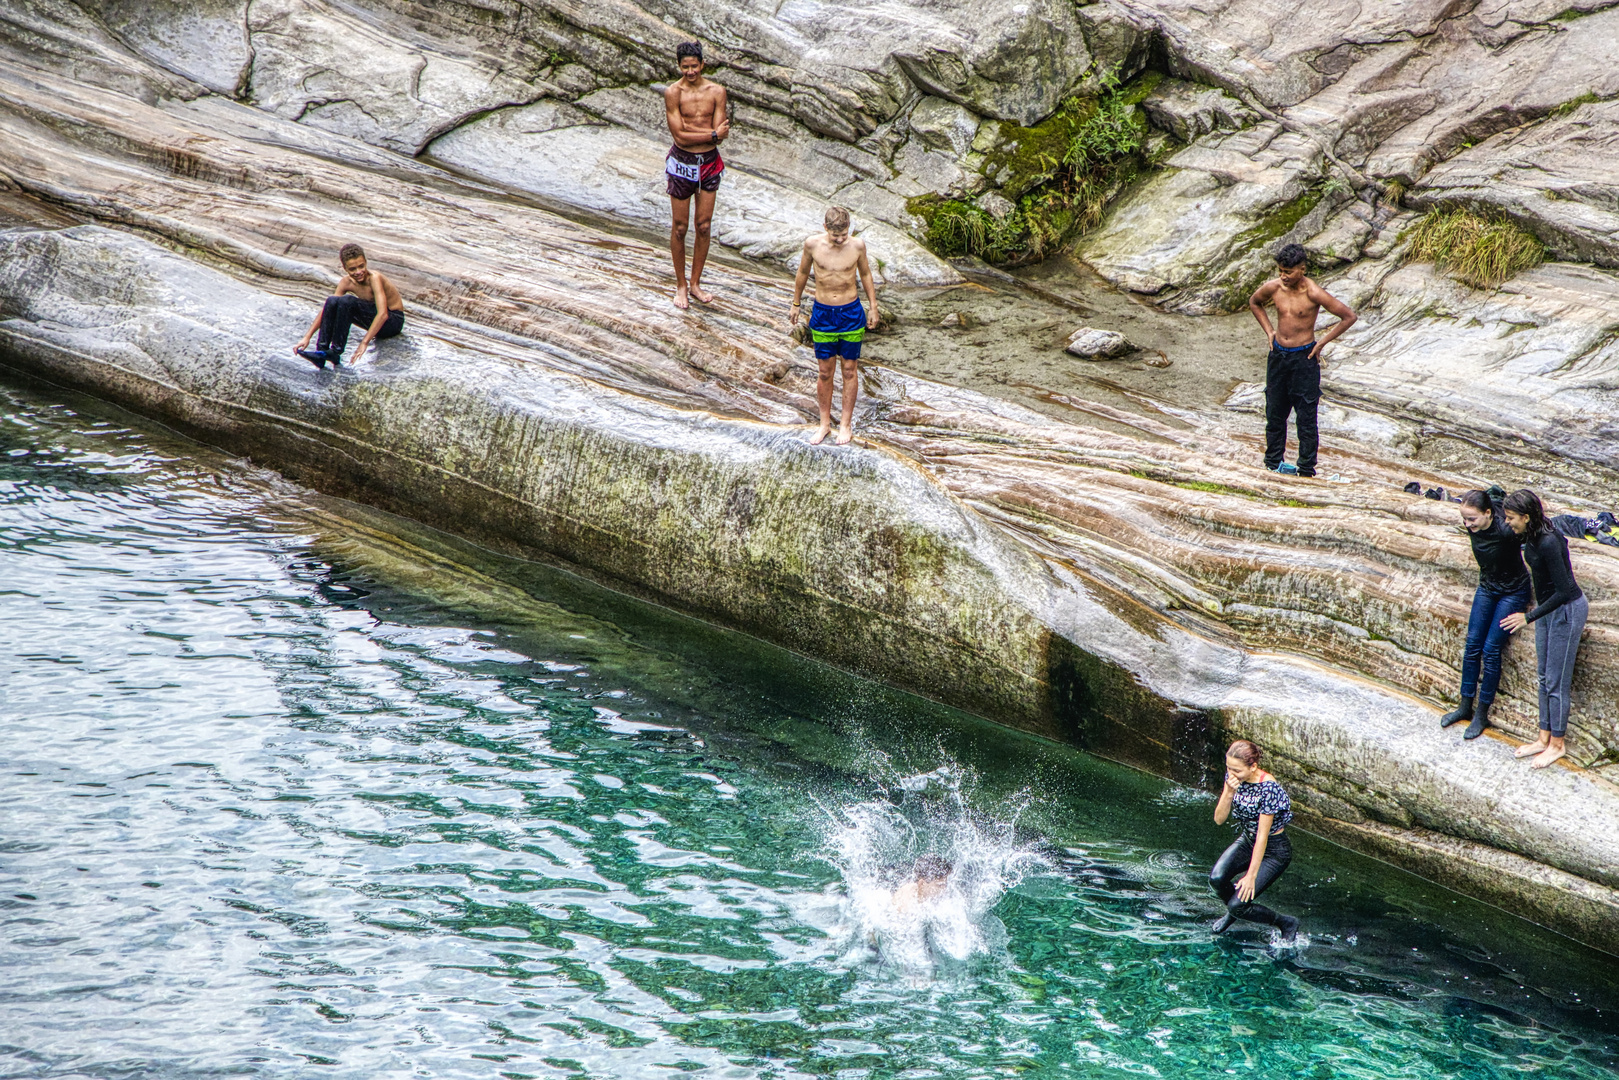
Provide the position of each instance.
(996, 205)
(959, 320)
(944, 126)
(1094, 344)
(1187, 110)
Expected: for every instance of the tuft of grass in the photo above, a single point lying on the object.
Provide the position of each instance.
(1477, 248)
(1587, 98)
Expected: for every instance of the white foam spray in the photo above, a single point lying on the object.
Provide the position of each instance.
(875, 844)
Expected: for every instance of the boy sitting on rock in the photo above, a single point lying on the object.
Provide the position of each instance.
(354, 302)
(837, 323)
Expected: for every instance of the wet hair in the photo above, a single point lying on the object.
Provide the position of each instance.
(349, 251)
(1526, 502)
(1245, 752)
(837, 219)
(688, 48)
(933, 868)
(1292, 255)
(1478, 500)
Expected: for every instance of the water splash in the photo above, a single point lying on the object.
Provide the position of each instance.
(875, 846)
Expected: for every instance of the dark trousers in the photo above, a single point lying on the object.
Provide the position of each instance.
(342, 312)
(1292, 384)
(1486, 641)
(1234, 864)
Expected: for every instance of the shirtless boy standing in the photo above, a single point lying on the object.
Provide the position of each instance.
(838, 323)
(1293, 372)
(699, 122)
(354, 303)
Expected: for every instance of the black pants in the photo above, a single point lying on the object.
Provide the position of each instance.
(342, 312)
(1292, 383)
(1234, 864)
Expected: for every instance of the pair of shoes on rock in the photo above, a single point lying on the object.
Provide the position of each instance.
(321, 357)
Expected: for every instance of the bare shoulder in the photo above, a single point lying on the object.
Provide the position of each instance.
(1327, 300)
(858, 244)
(671, 93)
(1268, 289)
(345, 285)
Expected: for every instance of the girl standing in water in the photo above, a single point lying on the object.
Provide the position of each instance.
(1262, 850)
(1559, 618)
(1503, 590)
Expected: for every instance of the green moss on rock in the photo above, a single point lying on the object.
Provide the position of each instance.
(1060, 175)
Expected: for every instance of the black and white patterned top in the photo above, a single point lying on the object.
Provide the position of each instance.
(1265, 797)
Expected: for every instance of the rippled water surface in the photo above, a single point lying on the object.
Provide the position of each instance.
(292, 788)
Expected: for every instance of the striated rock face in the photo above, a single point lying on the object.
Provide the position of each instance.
(1128, 580)
(1495, 363)
(1557, 177)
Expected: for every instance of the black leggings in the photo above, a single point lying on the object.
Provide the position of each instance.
(347, 310)
(1230, 868)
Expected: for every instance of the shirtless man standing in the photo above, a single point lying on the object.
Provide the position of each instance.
(354, 302)
(1293, 372)
(838, 323)
(699, 122)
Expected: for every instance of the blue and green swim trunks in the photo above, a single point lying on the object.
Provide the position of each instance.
(838, 331)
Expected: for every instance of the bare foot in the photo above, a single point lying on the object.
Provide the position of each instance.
(1547, 756)
(1529, 749)
(844, 435)
(680, 298)
(820, 434)
(702, 294)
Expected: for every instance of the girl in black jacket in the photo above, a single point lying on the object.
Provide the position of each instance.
(1558, 615)
(1503, 589)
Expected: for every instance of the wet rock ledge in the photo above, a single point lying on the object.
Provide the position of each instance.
(1128, 581)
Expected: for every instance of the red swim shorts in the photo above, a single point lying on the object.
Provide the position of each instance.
(686, 172)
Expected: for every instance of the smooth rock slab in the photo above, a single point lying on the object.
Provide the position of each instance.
(321, 65)
(545, 150)
(1537, 359)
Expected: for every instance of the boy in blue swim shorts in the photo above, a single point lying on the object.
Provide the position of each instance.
(838, 322)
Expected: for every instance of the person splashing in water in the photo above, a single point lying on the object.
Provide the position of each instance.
(1261, 810)
(931, 878)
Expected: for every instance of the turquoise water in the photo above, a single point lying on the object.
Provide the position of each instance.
(292, 788)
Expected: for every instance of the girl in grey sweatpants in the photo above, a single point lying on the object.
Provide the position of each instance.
(1559, 618)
